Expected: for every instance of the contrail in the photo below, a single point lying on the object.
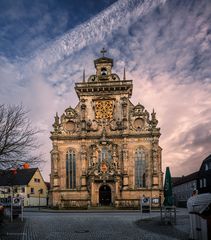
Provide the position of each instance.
(94, 30)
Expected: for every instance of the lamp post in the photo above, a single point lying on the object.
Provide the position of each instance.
(39, 197)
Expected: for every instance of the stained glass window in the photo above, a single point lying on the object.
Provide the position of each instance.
(140, 168)
(105, 154)
(70, 169)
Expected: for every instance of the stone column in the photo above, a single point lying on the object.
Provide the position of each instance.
(124, 113)
(115, 155)
(83, 167)
(125, 166)
(83, 114)
(54, 163)
(155, 181)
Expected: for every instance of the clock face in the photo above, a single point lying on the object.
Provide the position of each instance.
(104, 109)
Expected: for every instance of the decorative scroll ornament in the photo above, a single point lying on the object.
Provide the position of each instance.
(139, 118)
(70, 113)
(138, 110)
(69, 121)
(92, 78)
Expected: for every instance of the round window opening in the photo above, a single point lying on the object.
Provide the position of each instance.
(103, 71)
(139, 123)
(70, 126)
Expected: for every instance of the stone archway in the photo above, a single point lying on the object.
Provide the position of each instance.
(105, 195)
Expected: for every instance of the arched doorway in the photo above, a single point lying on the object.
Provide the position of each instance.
(105, 195)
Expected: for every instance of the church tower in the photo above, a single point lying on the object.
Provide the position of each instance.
(105, 150)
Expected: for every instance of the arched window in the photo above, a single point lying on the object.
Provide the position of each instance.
(140, 168)
(105, 154)
(70, 170)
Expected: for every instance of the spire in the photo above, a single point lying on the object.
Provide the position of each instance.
(56, 118)
(84, 75)
(124, 75)
(154, 121)
(56, 123)
(153, 114)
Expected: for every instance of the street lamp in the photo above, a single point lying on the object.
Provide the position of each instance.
(39, 197)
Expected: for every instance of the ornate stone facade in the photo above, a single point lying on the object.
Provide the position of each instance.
(105, 150)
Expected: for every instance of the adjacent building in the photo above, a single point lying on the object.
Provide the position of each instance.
(106, 149)
(27, 183)
(204, 176)
(183, 188)
(195, 183)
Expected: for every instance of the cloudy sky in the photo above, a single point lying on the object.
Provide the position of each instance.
(164, 45)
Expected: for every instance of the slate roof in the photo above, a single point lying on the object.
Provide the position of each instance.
(22, 177)
(205, 161)
(48, 185)
(180, 180)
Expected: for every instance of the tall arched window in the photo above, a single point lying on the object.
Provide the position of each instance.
(140, 168)
(105, 154)
(70, 170)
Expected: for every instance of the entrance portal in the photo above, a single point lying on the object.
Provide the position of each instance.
(105, 195)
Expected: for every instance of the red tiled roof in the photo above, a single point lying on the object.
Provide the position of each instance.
(21, 177)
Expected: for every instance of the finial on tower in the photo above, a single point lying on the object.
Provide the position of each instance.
(124, 75)
(103, 51)
(84, 75)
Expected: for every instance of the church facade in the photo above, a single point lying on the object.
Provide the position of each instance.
(105, 150)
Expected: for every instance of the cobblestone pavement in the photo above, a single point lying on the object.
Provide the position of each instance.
(11, 231)
(93, 225)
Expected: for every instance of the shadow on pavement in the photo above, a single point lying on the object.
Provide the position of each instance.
(179, 231)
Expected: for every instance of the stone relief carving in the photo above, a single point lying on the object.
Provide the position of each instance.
(116, 125)
(83, 159)
(70, 113)
(104, 164)
(139, 118)
(155, 154)
(92, 78)
(115, 77)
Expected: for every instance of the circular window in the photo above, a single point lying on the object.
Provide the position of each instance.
(69, 126)
(138, 123)
(103, 71)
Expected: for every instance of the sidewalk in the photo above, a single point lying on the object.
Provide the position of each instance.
(92, 210)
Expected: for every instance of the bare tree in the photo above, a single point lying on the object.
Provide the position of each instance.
(18, 143)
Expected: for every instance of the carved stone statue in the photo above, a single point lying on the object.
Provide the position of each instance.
(94, 154)
(55, 157)
(83, 158)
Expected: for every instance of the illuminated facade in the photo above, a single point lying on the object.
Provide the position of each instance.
(105, 150)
